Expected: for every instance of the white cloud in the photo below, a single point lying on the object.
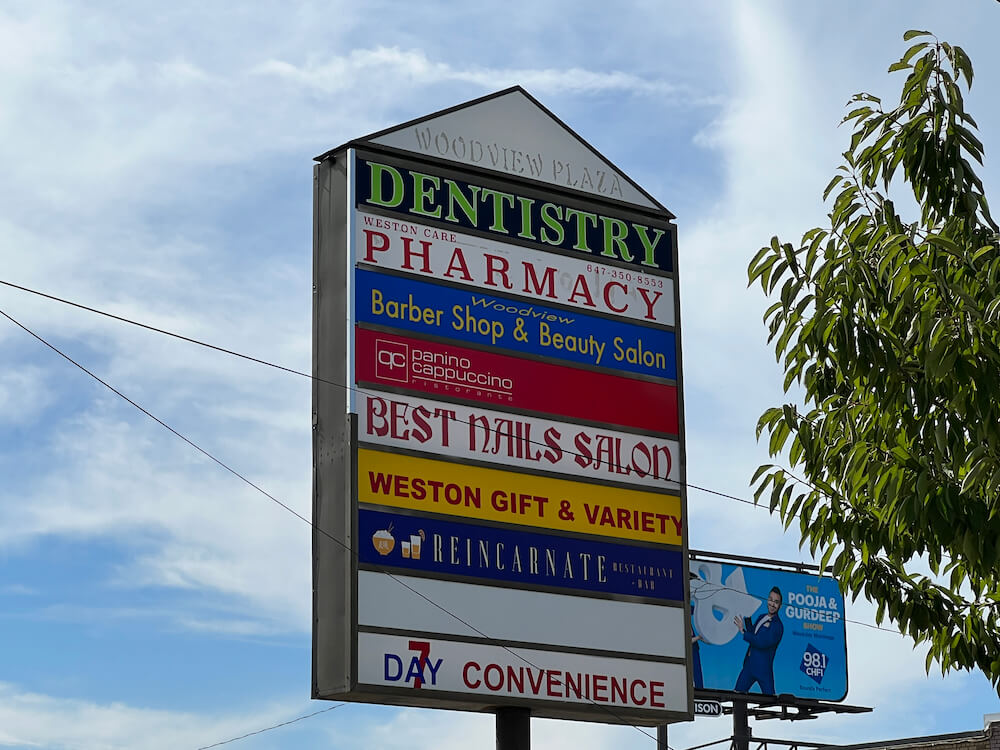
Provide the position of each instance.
(189, 524)
(456, 730)
(341, 73)
(30, 719)
(24, 393)
(17, 589)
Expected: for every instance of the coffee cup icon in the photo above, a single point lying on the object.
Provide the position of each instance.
(384, 541)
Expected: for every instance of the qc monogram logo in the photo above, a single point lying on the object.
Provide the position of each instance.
(392, 361)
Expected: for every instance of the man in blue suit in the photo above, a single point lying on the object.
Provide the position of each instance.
(763, 637)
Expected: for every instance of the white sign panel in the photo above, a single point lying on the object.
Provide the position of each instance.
(472, 432)
(519, 615)
(443, 255)
(491, 671)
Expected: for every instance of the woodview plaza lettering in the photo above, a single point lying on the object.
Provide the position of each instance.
(517, 161)
(513, 215)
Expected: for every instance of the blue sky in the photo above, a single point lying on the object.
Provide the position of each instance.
(155, 161)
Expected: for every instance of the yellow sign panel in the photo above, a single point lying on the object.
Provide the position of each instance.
(491, 495)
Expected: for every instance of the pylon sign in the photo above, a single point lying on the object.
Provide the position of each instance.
(499, 513)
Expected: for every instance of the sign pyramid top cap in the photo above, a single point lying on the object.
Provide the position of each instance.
(511, 132)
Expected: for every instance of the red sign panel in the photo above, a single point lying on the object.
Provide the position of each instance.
(448, 371)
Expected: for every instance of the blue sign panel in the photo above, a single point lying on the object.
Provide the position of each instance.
(520, 326)
(767, 631)
(501, 554)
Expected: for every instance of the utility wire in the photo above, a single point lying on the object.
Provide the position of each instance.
(293, 371)
(274, 726)
(276, 500)
(298, 515)
(163, 331)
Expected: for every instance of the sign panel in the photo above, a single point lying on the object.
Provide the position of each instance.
(707, 708)
(513, 440)
(522, 327)
(421, 484)
(518, 213)
(443, 255)
(518, 615)
(492, 672)
(455, 549)
(511, 133)
(768, 631)
(444, 370)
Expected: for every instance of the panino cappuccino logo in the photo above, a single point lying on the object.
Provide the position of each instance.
(392, 359)
(398, 362)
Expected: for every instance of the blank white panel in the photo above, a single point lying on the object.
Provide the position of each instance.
(519, 615)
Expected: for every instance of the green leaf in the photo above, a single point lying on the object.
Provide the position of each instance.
(908, 55)
(964, 64)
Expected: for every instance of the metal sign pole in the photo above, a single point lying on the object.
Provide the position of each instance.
(741, 727)
(513, 729)
(661, 737)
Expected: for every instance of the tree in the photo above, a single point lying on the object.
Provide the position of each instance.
(890, 330)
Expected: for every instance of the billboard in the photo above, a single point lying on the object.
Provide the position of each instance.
(767, 631)
(499, 510)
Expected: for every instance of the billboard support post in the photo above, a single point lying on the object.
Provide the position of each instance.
(661, 737)
(741, 727)
(513, 729)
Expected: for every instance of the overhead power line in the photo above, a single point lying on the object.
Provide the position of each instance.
(298, 515)
(283, 368)
(259, 489)
(300, 373)
(163, 331)
(273, 726)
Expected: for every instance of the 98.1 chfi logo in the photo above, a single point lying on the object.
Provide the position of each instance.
(814, 663)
